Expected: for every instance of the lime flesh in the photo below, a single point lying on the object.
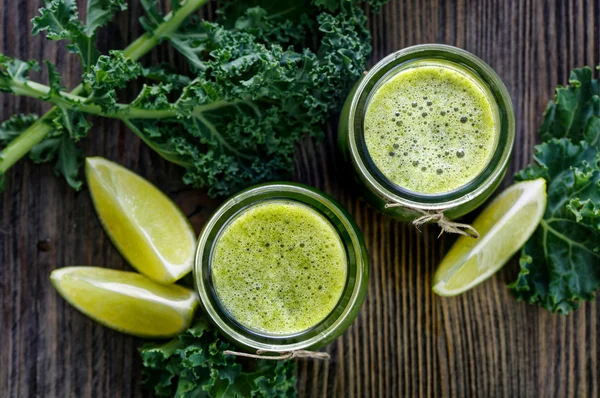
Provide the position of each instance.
(149, 229)
(504, 226)
(126, 301)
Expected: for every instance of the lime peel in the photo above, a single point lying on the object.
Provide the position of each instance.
(504, 225)
(127, 302)
(149, 229)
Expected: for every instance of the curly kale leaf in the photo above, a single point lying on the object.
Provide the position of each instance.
(193, 365)
(100, 12)
(255, 91)
(253, 99)
(287, 23)
(575, 113)
(560, 264)
(60, 20)
(68, 125)
(13, 71)
(110, 73)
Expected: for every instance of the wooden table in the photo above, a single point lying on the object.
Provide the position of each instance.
(407, 341)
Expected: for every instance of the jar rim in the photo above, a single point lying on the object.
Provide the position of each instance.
(356, 262)
(393, 193)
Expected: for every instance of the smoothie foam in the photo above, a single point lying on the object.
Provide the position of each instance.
(279, 267)
(432, 127)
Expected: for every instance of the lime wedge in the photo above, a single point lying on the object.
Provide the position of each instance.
(126, 301)
(504, 226)
(146, 226)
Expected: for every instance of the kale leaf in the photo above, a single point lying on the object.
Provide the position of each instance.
(560, 264)
(193, 365)
(576, 112)
(61, 128)
(265, 75)
(252, 98)
(14, 71)
(60, 20)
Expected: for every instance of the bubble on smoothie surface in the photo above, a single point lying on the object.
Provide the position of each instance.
(279, 267)
(458, 118)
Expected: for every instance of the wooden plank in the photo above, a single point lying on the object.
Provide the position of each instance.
(407, 341)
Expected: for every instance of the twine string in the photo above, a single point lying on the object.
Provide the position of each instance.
(282, 355)
(444, 223)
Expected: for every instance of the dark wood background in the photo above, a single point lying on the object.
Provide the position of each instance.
(407, 341)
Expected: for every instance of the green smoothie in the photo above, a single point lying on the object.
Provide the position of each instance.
(279, 267)
(431, 127)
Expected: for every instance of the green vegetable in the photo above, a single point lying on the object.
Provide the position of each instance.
(560, 264)
(193, 365)
(65, 124)
(254, 92)
(576, 112)
(60, 20)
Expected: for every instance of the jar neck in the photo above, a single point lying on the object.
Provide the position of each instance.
(389, 66)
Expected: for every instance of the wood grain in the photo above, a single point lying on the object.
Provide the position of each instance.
(407, 342)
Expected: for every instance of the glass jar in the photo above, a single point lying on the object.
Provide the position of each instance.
(357, 275)
(409, 205)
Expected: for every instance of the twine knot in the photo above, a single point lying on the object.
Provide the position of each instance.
(283, 355)
(444, 223)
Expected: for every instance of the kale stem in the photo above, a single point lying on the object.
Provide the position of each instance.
(148, 41)
(78, 103)
(23, 144)
(121, 111)
(41, 128)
